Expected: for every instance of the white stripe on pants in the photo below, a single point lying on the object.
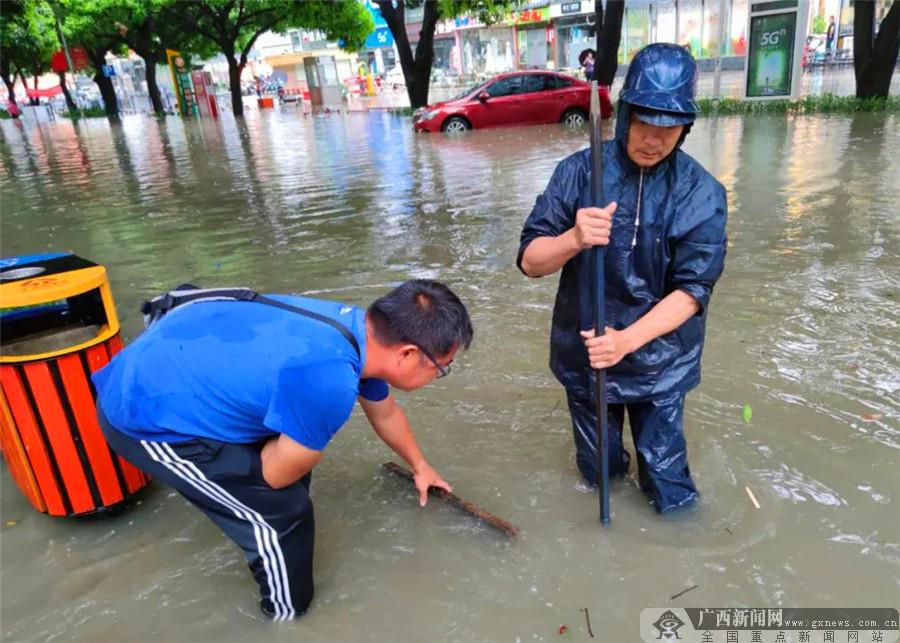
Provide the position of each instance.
(266, 536)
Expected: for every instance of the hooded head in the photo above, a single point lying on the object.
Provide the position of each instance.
(659, 90)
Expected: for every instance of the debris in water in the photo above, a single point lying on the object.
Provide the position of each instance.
(12, 523)
(752, 497)
(747, 414)
(563, 629)
(852, 367)
(683, 592)
(587, 617)
(871, 417)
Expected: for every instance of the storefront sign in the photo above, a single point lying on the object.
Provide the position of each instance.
(381, 37)
(530, 16)
(181, 80)
(571, 7)
(771, 55)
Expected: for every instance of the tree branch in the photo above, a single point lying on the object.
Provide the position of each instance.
(887, 44)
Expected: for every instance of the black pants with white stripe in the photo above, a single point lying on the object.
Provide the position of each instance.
(274, 527)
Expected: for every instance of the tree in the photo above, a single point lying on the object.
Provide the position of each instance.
(94, 26)
(417, 69)
(874, 58)
(610, 25)
(153, 27)
(27, 40)
(235, 25)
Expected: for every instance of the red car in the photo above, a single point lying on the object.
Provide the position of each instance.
(517, 98)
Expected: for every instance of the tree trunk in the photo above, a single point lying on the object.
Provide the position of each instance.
(36, 75)
(24, 82)
(608, 45)
(393, 16)
(234, 81)
(97, 56)
(418, 97)
(10, 82)
(65, 90)
(152, 87)
(874, 62)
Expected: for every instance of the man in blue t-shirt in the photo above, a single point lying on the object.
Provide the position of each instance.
(232, 403)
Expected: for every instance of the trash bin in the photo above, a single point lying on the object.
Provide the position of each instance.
(58, 325)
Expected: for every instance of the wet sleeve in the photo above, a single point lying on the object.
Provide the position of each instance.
(373, 389)
(554, 209)
(699, 254)
(311, 402)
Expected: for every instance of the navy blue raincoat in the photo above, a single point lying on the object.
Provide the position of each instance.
(668, 233)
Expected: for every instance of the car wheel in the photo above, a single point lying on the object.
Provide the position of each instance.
(455, 124)
(574, 118)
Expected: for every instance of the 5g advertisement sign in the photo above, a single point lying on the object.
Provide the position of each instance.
(770, 61)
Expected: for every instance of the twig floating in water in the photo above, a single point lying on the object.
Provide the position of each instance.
(752, 497)
(485, 516)
(587, 617)
(683, 592)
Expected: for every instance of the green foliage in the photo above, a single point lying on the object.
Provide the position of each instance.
(819, 25)
(87, 112)
(824, 104)
(27, 35)
(488, 11)
(235, 25)
(96, 24)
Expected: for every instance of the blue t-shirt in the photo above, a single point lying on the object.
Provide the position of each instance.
(239, 372)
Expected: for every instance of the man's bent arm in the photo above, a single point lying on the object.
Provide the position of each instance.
(390, 423)
(284, 461)
(546, 255)
(671, 312)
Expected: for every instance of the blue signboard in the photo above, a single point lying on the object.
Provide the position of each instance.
(376, 13)
(109, 71)
(382, 36)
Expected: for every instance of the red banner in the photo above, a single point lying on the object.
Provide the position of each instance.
(43, 93)
(80, 60)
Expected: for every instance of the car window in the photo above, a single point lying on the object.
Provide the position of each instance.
(557, 82)
(534, 83)
(505, 86)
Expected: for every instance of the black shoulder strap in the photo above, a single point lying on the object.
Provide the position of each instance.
(343, 330)
(185, 294)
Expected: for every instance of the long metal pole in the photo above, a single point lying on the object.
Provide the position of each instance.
(62, 38)
(598, 259)
(723, 17)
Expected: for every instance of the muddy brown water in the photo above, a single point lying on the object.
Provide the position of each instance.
(804, 327)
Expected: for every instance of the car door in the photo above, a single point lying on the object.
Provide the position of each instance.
(545, 102)
(504, 103)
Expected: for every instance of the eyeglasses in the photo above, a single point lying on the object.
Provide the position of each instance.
(443, 371)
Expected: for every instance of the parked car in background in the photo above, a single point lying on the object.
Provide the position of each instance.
(517, 98)
(394, 77)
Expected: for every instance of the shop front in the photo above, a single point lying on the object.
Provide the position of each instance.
(535, 38)
(487, 51)
(574, 33)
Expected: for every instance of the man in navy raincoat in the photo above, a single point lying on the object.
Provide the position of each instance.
(664, 232)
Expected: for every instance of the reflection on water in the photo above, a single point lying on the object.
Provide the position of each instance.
(804, 328)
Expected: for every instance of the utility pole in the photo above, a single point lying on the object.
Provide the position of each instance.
(62, 39)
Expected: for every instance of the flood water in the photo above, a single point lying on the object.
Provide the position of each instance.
(804, 327)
